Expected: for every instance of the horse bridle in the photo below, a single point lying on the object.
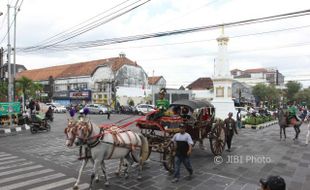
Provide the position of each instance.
(72, 127)
(81, 127)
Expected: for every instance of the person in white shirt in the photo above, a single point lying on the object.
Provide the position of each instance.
(183, 142)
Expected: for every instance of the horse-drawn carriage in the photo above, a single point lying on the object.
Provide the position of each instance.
(199, 120)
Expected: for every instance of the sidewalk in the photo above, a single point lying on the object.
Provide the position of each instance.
(4, 129)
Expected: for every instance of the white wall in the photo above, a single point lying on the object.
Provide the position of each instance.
(202, 94)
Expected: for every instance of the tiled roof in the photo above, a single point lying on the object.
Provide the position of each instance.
(154, 80)
(258, 70)
(76, 69)
(202, 83)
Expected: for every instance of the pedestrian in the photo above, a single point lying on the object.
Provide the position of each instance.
(37, 105)
(273, 183)
(108, 112)
(307, 119)
(230, 127)
(239, 124)
(183, 143)
(31, 105)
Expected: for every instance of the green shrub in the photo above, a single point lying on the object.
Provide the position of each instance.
(251, 120)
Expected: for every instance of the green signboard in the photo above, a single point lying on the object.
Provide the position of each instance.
(7, 108)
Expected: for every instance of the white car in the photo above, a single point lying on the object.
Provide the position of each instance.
(58, 108)
(96, 109)
(143, 109)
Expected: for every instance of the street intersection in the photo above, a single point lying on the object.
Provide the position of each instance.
(42, 161)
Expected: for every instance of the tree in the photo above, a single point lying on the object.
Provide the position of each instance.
(264, 93)
(3, 91)
(292, 87)
(27, 87)
(303, 97)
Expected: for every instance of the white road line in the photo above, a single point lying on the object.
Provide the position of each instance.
(12, 161)
(23, 176)
(20, 170)
(15, 165)
(81, 187)
(8, 158)
(3, 155)
(54, 185)
(33, 181)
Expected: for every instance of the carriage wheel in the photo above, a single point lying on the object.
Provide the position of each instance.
(168, 158)
(217, 140)
(136, 154)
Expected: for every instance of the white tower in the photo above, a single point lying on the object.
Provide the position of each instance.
(222, 81)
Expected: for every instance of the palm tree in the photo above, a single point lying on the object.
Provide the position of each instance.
(24, 85)
(3, 91)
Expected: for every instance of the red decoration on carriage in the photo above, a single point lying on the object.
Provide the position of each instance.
(198, 117)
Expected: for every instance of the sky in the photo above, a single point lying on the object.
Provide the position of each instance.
(180, 59)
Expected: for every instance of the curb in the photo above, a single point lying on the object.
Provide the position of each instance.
(14, 129)
(261, 126)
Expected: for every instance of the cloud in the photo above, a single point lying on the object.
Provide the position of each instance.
(180, 63)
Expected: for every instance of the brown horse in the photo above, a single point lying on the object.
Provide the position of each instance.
(284, 122)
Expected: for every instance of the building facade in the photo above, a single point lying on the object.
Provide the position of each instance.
(260, 75)
(103, 81)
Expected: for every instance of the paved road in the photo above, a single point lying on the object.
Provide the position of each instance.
(42, 161)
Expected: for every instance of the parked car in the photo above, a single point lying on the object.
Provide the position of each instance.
(58, 108)
(143, 109)
(97, 109)
(127, 110)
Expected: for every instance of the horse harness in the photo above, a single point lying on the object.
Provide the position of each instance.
(118, 140)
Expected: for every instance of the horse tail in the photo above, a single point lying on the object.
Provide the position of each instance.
(144, 151)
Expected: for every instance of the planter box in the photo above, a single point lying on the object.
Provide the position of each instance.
(261, 126)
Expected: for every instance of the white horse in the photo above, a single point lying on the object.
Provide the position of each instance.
(111, 143)
(71, 134)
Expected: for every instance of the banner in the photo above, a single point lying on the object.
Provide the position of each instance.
(9, 107)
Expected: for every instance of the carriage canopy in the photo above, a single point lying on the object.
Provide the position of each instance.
(194, 104)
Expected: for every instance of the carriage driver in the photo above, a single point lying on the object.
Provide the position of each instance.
(162, 105)
(183, 142)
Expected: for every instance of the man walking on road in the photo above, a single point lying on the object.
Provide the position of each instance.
(183, 142)
(230, 127)
(239, 118)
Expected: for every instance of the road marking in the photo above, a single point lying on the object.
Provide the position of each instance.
(54, 185)
(15, 165)
(23, 176)
(18, 129)
(12, 161)
(81, 187)
(8, 158)
(33, 181)
(4, 155)
(20, 170)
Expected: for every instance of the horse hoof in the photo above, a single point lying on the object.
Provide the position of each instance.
(106, 183)
(75, 187)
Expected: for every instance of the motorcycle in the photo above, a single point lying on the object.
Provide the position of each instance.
(38, 123)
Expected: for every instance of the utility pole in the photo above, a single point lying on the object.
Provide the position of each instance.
(10, 87)
(14, 54)
(153, 97)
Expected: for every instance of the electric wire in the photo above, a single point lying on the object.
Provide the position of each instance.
(202, 40)
(84, 30)
(48, 40)
(174, 32)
